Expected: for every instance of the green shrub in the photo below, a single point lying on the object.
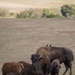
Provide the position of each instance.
(36, 13)
(68, 10)
(53, 15)
(22, 14)
(25, 14)
(45, 13)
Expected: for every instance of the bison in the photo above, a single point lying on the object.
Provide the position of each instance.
(55, 67)
(43, 65)
(65, 55)
(12, 68)
(29, 70)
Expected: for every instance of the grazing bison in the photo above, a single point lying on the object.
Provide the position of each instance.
(55, 67)
(28, 69)
(50, 53)
(12, 68)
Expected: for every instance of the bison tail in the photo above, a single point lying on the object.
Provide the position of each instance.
(72, 56)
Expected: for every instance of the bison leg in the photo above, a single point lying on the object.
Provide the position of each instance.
(3, 73)
(70, 65)
(66, 65)
(70, 71)
(65, 70)
(57, 73)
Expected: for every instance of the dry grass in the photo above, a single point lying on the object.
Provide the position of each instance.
(20, 5)
(20, 38)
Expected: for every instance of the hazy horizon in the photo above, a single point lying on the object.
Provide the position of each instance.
(19, 5)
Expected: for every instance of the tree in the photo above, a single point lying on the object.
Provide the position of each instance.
(68, 10)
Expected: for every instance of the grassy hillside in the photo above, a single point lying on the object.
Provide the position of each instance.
(41, 2)
(19, 5)
(36, 1)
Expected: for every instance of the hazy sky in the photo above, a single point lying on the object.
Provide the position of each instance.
(39, 1)
(34, 1)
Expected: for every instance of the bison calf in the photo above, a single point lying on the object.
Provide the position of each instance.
(55, 67)
(12, 68)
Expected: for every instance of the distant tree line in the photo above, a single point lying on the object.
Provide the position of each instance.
(33, 13)
(66, 11)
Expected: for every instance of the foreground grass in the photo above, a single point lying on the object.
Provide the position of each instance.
(20, 38)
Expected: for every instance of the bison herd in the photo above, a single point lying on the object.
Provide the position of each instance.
(46, 61)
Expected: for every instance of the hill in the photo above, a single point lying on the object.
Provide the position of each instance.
(19, 5)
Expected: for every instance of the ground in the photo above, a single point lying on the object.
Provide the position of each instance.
(20, 38)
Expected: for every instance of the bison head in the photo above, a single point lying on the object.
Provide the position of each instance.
(39, 63)
(35, 58)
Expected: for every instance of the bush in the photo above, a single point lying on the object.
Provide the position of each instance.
(45, 13)
(68, 10)
(25, 14)
(4, 12)
(53, 15)
(36, 13)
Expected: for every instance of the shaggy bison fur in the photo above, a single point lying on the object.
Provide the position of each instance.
(12, 68)
(43, 65)
(28, 69)
(55, 67)
(50, 53)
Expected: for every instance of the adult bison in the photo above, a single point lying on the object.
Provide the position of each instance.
(29, 70)
(12, 68)
(43, 65)
(50, 53)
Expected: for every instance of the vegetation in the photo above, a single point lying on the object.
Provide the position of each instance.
(4, 12)
(25, 14)
(45, 13)
(68, 10)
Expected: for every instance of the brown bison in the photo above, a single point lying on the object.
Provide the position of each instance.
(12, 68)
(55, 67)
(43, 65)
(50, 53)
(28, 69)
